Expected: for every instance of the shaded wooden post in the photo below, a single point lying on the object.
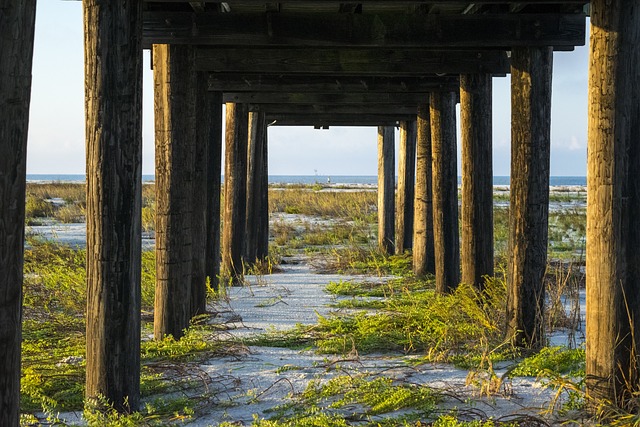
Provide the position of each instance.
(263, 233)
(235, 191)
(423, 251)
(175, 112)
(445, 191)
(531, 70)
(16, 46)
(203, 130)
(113, 107)
(386, 188)
(214, 171)
(477, 178)
(255, 171)
(613, 203)
(406, 185)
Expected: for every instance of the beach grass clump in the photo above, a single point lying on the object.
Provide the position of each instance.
(552, 361)
(350, 205)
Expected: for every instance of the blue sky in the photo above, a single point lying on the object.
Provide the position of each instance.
(56, 130)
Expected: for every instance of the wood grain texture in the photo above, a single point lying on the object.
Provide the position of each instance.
(446, 239)
(423, 250)
(406, 186)
(214, 171)
(386, 189)
(477, 178)
(113, 106)
(175, 123)
(255, 171)
(529, 199)
(613, 202)
(263, 231)
(16, 46)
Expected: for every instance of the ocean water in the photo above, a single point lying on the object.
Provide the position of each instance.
(320, 179)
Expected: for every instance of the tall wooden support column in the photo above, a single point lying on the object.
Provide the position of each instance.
(263, 233)
(255, 171)
(531, 70)
(477, 178)
(386, 188)
(445, 191)
(423, 251)
(175, 113)
(235, 191)
(15, 94)
(406, 185)
(613, 202)
(203, 131)
(214, 170)
(113, 95)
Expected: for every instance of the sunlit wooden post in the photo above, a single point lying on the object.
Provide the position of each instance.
(214, 171)
(263, 231)
(255, 171)
(15, 95)
(477, 178)
(235, 191)
(113, 95)
(445, 191)
(423, 251)
(531, 70)
(175, 114)
(613, 202)
(386, 188)
(406, 185)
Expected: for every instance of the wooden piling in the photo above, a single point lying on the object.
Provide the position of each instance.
(214, 171)
(445, 191)
(529, 204)
(477, 178)
(15, 95)
(423, 251)
(255, 171)
(235, 191)
(113, 103)
(406, 186)
(386, 188)
(174, 84)
(263, 232)
(613, 203)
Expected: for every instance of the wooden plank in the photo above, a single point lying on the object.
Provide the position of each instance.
(350, 61)
(214, 157)
(114, 200)
(477, 178)
(390, 2)
(327, 84)
(445, 192)
(613, 204)
(423, 250)
(235, 192)
(318, 29)
(529, 203)
(255, 170)
(386, 189)
(175, 122)
(15, 92)
(406, 186)
(282, 98)
(336, 110)
(336, 119)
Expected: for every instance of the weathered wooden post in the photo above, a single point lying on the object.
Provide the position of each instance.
(235, 191)
(386, 188)
(263, 231)
(477, 178)
(423, 251)
(613, 202)
(175, 113)
(255, 172)
(531, 70)
(16, 46)
(113, 95)
(406, 185)
(445, 191)
(214, 166)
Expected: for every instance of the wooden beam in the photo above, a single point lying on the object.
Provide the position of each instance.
(529, 203)
(406, 186)
(114, 200)
(445, 192)
(328, 84)
(282, 98)
(390, 110)
(350, 61)
(175, 122)
(263, 226)
(214, 166)
(336, 119)
(477, 178)
(319, 29)
(386, 189)
(15, 92)
(255, 170)
(613, 205)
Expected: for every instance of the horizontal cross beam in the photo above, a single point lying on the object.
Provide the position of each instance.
(286, 98)
(326, 120)
(350, 61)
(391, 111)
(313, 29)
